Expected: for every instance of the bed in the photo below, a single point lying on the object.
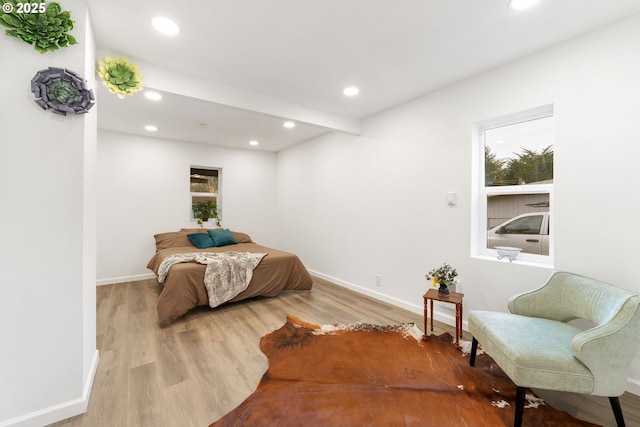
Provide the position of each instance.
(184, 288)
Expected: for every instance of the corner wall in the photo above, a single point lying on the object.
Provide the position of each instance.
(47, 295)
(357, 207)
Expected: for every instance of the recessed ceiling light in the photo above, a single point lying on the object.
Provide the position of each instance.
(351, 91)
(165, 26)
(522, 4)
(254, 142)
(289, 125)
(154, 96)
(150, 128)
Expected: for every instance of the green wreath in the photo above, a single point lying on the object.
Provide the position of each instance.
(44, 29)
(120, 75)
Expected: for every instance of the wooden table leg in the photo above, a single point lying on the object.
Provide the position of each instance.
(431, 309)
(461, 320)
(425, 320)
(458, 319)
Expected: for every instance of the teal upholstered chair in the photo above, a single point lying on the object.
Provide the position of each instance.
(536, 347)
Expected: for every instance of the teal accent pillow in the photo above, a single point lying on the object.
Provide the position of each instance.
(222, 237)
(201, 240)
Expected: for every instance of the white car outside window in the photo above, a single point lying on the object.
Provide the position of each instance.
(529, 231)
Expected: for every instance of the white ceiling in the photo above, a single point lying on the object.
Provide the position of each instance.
(183, 118)
(273, 59)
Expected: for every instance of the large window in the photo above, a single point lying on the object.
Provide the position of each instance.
(513, 170)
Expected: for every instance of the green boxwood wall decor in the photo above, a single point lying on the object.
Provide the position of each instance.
(62, 91)
(46, 29)
(120, 76)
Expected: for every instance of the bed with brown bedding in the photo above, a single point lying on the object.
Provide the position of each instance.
(184, 286)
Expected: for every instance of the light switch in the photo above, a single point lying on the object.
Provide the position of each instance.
(451, 199)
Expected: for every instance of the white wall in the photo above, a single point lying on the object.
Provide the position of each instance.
(354, 207)
(143, 189)
(47, 258)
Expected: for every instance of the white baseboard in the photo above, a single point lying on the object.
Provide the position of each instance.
(60, 411)
(444, 316)
(113, 280)
(633, 386)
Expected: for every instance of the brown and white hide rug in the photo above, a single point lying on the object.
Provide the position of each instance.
(367, 375)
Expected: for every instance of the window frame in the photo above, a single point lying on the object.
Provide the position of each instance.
(193, 195)
(480, 192)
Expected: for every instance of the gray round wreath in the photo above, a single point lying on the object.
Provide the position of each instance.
(62, 90)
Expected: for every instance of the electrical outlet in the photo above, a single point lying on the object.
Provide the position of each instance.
(378, 280)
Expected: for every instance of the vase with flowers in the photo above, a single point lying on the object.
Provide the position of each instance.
(443, 277)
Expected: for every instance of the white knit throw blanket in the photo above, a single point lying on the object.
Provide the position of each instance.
(227, 273)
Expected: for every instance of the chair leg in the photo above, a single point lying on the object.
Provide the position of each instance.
(617, 411)
(521, 393)
(474, 349)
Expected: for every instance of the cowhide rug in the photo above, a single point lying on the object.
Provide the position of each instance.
(367, 375)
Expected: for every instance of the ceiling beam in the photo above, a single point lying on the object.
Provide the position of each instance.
(182, 84)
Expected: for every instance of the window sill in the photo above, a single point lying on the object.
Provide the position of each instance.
(526, 262)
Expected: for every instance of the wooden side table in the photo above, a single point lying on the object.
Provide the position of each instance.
(453, 298)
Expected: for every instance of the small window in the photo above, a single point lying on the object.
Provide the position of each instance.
(204, 186)
(513, 170)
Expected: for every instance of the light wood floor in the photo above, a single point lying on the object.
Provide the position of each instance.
(202, 366)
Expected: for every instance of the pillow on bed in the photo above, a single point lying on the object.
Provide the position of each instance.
(222, 237)
(201, 240)
(241, 237)
(171, 240)
(194, 230)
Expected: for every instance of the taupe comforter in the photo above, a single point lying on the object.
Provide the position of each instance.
(184, 286)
